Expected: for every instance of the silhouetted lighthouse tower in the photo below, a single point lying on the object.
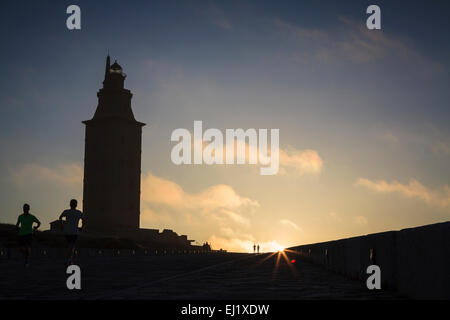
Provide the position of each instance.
(112, 160)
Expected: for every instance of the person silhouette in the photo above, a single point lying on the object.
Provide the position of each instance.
(25, 221)
(258, 248)
(254, 248)
(70, 227)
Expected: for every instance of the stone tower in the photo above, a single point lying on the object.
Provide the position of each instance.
(112, 160)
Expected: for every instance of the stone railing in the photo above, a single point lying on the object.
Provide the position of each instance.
(415, 262)
(13, 253)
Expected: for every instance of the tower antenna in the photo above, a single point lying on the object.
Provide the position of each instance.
(108, 65)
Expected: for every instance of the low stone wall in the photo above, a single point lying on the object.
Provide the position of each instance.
(415, 262)
(15, 253)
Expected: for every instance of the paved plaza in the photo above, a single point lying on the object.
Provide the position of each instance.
(184, 276)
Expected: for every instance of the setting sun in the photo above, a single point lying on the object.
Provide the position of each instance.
(274, 247)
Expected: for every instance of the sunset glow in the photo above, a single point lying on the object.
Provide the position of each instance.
(364, 140)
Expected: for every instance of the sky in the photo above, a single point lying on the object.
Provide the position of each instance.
(363, 114)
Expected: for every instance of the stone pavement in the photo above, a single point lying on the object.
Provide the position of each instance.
(206, 276)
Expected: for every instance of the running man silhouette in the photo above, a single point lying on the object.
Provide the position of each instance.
(258, 248)
(70, 227)
(254, 248)
(26, 220)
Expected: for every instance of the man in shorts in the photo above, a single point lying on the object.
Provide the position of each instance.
(25, 221)
(70, 227)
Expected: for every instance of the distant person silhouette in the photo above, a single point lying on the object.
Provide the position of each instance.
(25, 221)
(254, 248)
(258, 248)
(70, 227)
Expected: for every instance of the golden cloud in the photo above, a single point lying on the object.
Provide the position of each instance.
(162, 191)
(165, 202)
(304, 162)
(413, 189)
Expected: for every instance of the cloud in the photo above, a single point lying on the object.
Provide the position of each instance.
(289, 224)
(299, 32)
(351, 41)
(360, 220)
(414, 189)
(150, 217)
(307, 161)
(66, 174)
(220, 206)
(223, 214)
(304, 162)
(162, 191)
(363, 45)
(236, 217)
